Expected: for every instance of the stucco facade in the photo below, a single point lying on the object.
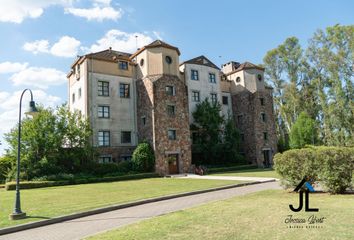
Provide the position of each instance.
(148, 95)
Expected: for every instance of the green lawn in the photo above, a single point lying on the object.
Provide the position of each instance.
(257, 172)
(45, 203)
(255, 216)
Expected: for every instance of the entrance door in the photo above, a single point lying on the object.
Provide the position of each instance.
(266, 155)
(172, 164)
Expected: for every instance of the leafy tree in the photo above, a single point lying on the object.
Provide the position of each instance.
(143, 159)
(53, 141)
(231, 142)
(303, 132)
(318, 80)
(208, 124)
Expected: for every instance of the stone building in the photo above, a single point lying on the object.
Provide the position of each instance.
(149, 96)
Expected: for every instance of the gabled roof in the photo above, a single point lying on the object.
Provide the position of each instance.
(106, 55)
(201, 60)
(244, 66)
(155, 44)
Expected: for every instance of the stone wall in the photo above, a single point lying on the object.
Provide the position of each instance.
(247, 109)
(155, 110)
(116, 152)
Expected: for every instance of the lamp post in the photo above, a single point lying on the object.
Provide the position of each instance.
(17, 213)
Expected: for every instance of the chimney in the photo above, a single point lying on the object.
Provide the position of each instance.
(110, 49)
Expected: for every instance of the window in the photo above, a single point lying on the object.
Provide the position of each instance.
(263, 116)
(103, 88)
(143, 120)
(238, 79)
(239, 119)
(170, 90)
(105, 159)
(214, 97)
(124, 90)
(225, 100)
(172, 134)
(103, 138)
(259, 77)
(125, 157)
(265, 136)
(123, 65)
(73, 97)
(194, 75)
(195, 96)
(262, 101)
(142, 62)
(79, 93)
(168, 59)
(212, 78)
(126, 137)
(103, 111)
(171, 110)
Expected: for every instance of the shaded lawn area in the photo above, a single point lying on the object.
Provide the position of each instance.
(255, 216)
(255, 172)
(50, 202)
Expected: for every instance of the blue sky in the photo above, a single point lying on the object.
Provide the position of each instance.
(40, 38)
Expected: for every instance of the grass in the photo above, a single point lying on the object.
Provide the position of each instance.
(50, 202)
(255, 216)
(257, 172)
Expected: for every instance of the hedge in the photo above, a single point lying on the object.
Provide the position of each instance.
(229, 169)
(41, 184)
(331, 166)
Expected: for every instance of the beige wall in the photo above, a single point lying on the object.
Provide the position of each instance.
(155, 63)
(106, 67)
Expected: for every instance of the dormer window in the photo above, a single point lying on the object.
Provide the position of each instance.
(123, 65)
(168, 59)
(259, 77)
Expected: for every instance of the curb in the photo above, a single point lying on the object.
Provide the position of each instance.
(41, 223)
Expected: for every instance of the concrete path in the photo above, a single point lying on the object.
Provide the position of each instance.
(251, 179)
(91, 225)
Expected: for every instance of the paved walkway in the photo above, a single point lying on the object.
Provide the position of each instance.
(87, 226)
(251, 179)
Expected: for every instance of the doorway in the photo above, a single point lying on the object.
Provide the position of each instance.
(172, 160)
(266, 157)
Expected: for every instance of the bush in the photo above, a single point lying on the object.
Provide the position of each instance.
(332, 166)
(143, 159)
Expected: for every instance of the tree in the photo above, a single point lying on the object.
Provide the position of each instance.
(231, 142)
(208, 124)
(303, 132)
(53, 141)
(143, 158)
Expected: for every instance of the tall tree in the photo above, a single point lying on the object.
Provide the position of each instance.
(303, 131)
(53, 141)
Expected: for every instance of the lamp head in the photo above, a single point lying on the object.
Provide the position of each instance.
(32, 110)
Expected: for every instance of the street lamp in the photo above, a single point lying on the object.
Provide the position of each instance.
(17, 213)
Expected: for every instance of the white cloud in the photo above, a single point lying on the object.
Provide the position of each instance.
(11, 67)
(38, 46)
(96, 13)
(101, 10)
(39, 77)
(121, 41)
(65, 47)
(16, 11)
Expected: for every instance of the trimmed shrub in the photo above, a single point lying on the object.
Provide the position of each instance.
(332, 166)
(42, 184)
(143, 159)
